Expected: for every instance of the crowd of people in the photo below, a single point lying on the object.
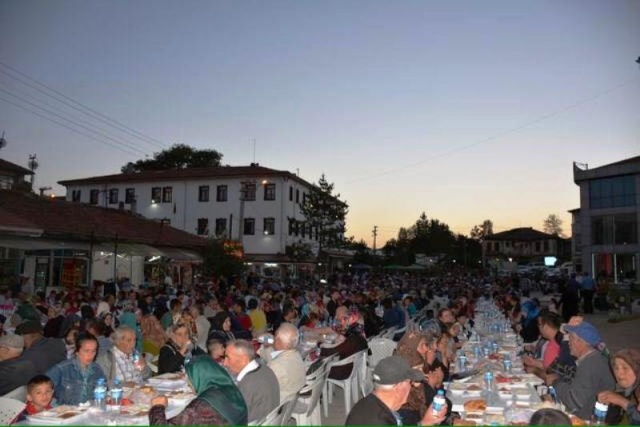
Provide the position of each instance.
(60, 344)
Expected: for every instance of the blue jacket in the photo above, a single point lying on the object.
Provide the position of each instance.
(72, 385)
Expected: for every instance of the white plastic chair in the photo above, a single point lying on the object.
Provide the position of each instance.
(19, 393)
(279, 416)
(349, 385)
(379, 348)
(9, 410)
(307, 410)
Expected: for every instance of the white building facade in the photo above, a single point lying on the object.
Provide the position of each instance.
(256, 206)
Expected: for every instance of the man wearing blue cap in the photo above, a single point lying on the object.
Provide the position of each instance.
(593, 373)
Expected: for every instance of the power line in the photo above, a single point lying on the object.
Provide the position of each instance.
(68, 127)
(503, 133)
(68, 116)
(67, 100)
(123, 143)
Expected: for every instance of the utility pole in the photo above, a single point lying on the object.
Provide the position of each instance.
(375, 235)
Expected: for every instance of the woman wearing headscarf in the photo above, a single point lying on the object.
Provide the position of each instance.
(153, 336)
(221, 327)
(528, 328)
(624, 400)
(219, 402)
(351, 340)
(132, 320)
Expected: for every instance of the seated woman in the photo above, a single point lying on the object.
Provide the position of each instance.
(153, 336)
(221, 327)
(173, 353)
(528, 327)
(219, 401)
(351, 340)
(624, 401)
(74, 379)
(418, 349)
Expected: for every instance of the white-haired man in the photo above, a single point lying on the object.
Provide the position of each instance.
(118, 362)
(392, 378)
(286, 361)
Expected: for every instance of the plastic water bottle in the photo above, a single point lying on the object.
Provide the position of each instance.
(100, 394)
(599, 414)
(508, 366)
(439, 402)
(488, 382)
(116, 393)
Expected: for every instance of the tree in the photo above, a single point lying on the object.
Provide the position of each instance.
(299, 251)
(219, 260)
(553, 225)
(326, 214)
(480, 232)
(178, 156)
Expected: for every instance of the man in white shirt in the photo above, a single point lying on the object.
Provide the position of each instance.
(286, 361)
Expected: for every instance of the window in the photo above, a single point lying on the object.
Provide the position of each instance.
(94, 195)
(614, 229)
(303, 226)
(296, 227)
(270, 192)
(221, 193)
(167, 193)
(304, 198)
(75, 195)
(537, 246)
(248, 191)
(546, 246)
(249, 226)
(113, 196)
(221, 226)
(291, 221)
(297, 196)
(269, 226)
(130, 195)
(291, 193)
(156, 194)
(203, 226)
(626, 226)
(616, 192)
(203, 193)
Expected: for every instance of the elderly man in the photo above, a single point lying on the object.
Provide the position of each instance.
(42, 352)
(592, 376)
(14, 370)
(286, 361)
(258, 384)
(118, 362)
(392, 378)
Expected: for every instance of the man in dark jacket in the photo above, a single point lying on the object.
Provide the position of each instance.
(14, 371)
(42, 352)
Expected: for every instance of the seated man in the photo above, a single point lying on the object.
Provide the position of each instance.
(286, 361)
(119, 362)
(555, 352)
(15, 371)
(42, 352)
(258, 384)
(592, 376)
(392, 378)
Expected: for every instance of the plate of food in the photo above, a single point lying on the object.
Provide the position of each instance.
(465, 389)
(64, 414)
(475, 406)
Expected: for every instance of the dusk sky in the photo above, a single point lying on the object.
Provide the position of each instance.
(467, 110)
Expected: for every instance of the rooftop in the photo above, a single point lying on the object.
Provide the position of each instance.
(12, 167)
(75, 221)
(525, 234)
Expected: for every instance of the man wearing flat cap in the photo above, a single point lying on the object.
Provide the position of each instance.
(14, 370)
(393, 379)
(42, 352)
(593, 373)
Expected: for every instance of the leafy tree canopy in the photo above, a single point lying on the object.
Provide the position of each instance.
(480, 232)
(178, 156)
(553, 225)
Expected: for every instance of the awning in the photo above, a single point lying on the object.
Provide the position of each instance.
(39, 244)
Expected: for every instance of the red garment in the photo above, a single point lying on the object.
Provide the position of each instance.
(245, 321)
(32, 410)
(551, 353)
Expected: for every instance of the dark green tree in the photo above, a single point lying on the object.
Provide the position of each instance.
(178, 156)
(299, 251)
(218, 260)
(326, 214)
(482, 231)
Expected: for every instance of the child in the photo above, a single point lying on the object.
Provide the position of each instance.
(216, 350)
(39, 396)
